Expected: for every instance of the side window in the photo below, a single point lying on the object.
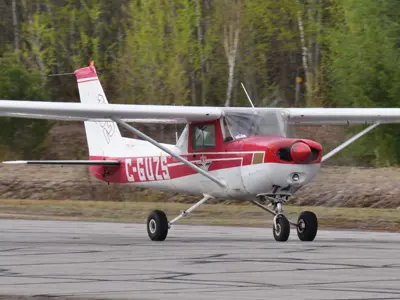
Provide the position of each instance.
(203, 136)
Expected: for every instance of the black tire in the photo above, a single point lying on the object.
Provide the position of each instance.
(157, 225)
(307, 226)
(282, 230)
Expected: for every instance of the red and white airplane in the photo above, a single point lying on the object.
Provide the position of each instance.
(223, 152)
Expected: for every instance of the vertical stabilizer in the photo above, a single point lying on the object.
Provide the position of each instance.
(103, 138)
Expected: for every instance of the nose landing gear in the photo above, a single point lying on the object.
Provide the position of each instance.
(306, 226)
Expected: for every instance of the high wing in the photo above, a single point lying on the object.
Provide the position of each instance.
(327, 115)
(126, 112)
(187, 114)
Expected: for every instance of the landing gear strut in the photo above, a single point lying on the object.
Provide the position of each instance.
(307, 223)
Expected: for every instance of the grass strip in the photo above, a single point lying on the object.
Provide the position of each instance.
(207, 214)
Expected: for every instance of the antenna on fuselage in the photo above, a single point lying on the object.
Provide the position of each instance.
(248, 97)
(60, 74)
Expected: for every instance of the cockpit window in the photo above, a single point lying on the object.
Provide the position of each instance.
(203, 136)
(226, 133)
(182, 142)
(241, 124)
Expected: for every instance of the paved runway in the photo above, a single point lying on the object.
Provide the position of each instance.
(117, 261)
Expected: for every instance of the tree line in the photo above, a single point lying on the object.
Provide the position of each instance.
(323, 53)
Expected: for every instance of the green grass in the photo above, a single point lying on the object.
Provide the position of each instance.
(207, 214)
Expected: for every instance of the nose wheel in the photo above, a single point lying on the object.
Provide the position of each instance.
(306, 226)
(281, 228)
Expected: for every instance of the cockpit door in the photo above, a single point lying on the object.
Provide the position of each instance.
(210, 149)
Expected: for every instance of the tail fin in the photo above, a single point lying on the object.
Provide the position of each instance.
(103, 138)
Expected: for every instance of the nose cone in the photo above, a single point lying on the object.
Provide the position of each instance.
(300, 152)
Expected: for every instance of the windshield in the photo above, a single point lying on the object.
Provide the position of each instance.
(241, 124)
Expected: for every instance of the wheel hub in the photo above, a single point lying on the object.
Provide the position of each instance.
(152, 226)
(278, 229)
(301, 226)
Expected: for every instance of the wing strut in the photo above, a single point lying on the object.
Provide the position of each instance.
(165, 149)
(349, 141)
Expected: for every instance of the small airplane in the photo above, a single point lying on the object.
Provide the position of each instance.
(239, 153)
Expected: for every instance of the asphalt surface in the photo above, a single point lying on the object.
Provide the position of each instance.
(117, 261)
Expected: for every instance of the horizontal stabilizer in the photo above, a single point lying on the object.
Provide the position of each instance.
(66, 162)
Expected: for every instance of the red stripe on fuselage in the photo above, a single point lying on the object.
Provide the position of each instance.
(157, 168)
(234, 154)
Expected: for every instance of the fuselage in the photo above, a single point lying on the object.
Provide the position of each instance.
(249, 166)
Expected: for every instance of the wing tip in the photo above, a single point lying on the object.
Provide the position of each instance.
(14, 162)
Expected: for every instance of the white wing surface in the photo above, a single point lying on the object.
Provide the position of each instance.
(95, 108)
(81, 111)
(342, 115)
(186, 114)
(324, 115)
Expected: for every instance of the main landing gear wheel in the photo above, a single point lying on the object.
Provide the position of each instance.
(307, 226)
(157, 225)
(281, 228)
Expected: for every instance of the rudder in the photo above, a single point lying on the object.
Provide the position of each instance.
(103, 138)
